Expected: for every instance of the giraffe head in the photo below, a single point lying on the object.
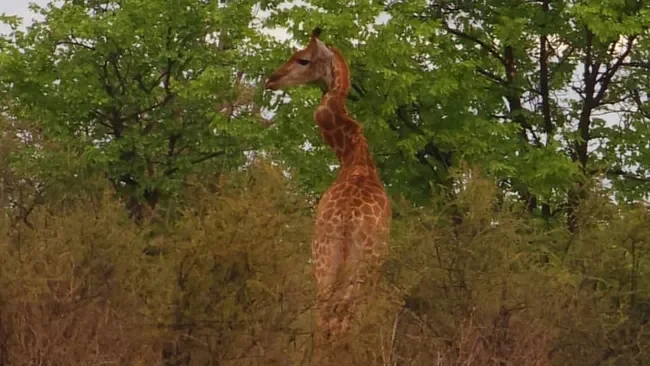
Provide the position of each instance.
(311, 64)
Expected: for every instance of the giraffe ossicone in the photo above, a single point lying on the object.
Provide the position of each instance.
(353, 216)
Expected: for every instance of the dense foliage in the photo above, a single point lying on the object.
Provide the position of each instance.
(519, 88)
(512, 137)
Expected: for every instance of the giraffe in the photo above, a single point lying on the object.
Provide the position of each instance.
(353, 217)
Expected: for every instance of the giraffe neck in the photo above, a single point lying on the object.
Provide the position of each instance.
(338, 80)
(340, 131)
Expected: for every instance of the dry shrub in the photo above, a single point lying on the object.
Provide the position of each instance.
(68, 290)
(228, 283)
(607, 321)
(240, 267)
(483, 284)
(471, 284)
(507, 340)
(226, 280)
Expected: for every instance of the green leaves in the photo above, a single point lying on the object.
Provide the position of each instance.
(149, 90)
(472, 84)
(142, 90)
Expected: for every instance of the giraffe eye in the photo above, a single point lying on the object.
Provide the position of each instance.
(302, 61)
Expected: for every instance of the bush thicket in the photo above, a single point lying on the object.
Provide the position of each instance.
(226, 280)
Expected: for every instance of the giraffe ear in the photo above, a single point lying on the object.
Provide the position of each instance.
(320, 49)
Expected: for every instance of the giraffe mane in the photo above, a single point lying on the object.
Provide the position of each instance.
(341, 67)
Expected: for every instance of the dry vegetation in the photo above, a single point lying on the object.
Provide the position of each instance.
(225, 280)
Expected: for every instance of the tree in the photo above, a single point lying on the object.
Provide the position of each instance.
(517, 88)
(140, 91)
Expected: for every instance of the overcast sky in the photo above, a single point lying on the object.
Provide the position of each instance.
(19, 8)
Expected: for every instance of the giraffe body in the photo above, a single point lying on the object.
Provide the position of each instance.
(353, 216)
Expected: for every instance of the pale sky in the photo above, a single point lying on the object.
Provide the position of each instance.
(19, 8)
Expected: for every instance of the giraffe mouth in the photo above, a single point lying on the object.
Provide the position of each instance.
(270, 86)
(270, 83)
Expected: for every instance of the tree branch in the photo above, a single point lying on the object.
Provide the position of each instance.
(636, 96)
(197, 161)
(637, 64)
(75, 43)
(544, 75)
(496, 78)
(618, 172)
(589, 75)
(114, 59)
(561, 61)
(607, 76)
(491, 50)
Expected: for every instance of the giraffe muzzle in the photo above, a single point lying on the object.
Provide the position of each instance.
(270, 82)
